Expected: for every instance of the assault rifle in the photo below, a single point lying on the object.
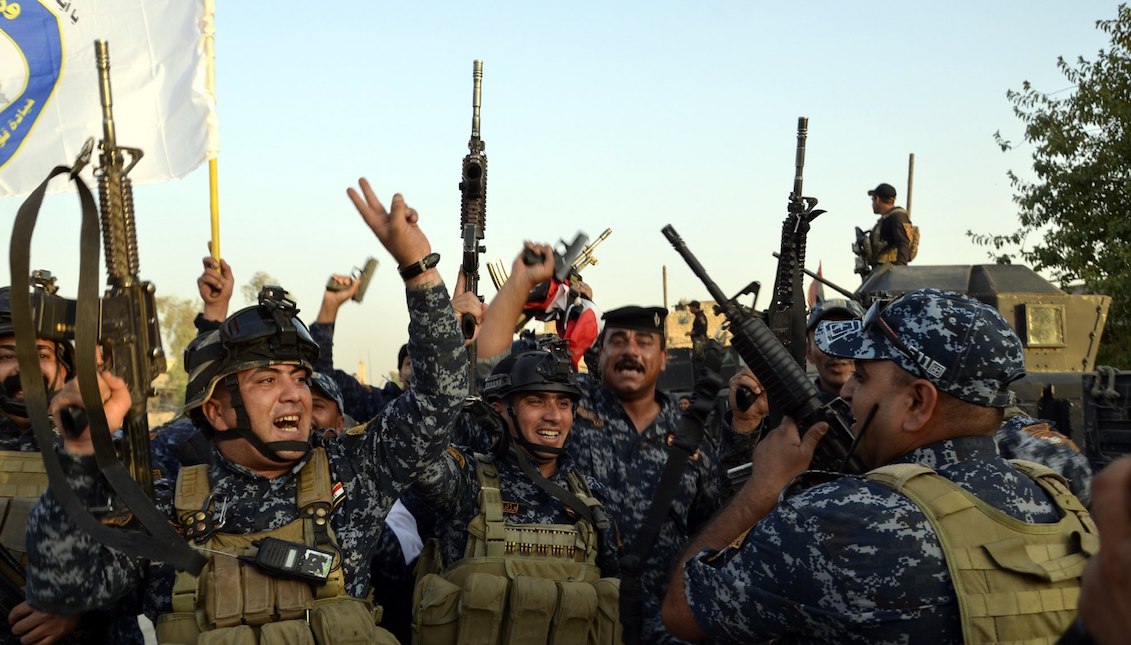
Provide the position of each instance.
(785, 318)
(124, 325)
(473, 213)
(789, 389)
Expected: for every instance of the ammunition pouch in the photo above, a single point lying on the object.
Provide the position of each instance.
(517, 583)
(23, 480)
(235, 603)
(1015, 582)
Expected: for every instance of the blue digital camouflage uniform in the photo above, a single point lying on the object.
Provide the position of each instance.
(363, 402)
(114, 625)
(605, 445)
(70, 571)
(451, 488)
(163, 447)
(850, 560)
(1023, 437)
(14, 439)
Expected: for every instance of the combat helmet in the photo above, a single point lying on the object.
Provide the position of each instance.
(268, 333)
(547, 370)
(532, 371)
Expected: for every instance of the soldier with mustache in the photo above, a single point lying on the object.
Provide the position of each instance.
(621, 429)
(527, 504)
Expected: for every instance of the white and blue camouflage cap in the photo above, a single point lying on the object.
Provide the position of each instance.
(961, 345)
(329, 389)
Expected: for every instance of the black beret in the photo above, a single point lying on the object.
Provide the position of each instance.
(637, 318)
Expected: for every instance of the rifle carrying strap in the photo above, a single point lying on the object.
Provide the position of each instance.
(683, 447)
(162, 543)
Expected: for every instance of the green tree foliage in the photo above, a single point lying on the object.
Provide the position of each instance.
(250, 291)
(176, 316)
(1078, 205)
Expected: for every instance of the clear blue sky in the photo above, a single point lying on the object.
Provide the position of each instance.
(628, 115)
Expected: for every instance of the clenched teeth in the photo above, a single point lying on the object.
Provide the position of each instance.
(287, 422)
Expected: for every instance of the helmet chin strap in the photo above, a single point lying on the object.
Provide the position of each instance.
(243, 430)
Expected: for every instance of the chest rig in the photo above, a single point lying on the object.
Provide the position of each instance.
(23, 480)
(1016, 582)
(518, 583)
(236, 600)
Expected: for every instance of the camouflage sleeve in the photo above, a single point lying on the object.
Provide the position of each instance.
(1023, 437)
(416, 427)
(444, 483)
(362, 401)
(68, 571)
(708, 492)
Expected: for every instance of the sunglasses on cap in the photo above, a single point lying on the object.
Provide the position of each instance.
(874, 321)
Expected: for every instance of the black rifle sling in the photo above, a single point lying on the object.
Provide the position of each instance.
(162, 543)
(595, 516)
(682, 446)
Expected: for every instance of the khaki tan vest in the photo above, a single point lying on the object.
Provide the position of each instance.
(517, 583)
(23, 480)
(1016, 582)
(236, 603)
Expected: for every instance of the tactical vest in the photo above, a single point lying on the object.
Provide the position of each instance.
(517, 583)
(887, 251)
(23, 480)
(236, 603)
(1016, 582)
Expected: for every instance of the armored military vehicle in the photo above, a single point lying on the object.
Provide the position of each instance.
(1061, 333)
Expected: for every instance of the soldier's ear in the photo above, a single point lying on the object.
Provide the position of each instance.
(214, 412)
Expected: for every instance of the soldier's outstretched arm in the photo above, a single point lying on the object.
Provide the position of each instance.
(497, 331)
(415, 428)
(68, 571)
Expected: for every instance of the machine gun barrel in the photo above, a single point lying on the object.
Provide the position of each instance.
(473, 212)
(788, 388)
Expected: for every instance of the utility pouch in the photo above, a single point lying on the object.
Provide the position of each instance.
(258, 596)
(239, 635)
(577, 607)
(177, 628)
(292, 599)
(529, 610)
(286, 632)
(481, 605)
(223, 593)
(606, 629)
(436, 615)
(344, 621)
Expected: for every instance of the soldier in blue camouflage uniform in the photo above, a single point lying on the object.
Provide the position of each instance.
(621, 428)
(1025, 437)
(56, 359)
(255, 473)
(532, 395)
(849, 559)
(361, 401)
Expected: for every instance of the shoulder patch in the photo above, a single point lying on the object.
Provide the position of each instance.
(1044, 432)
(356, 430)
(457, 456)
(591, 417)
(510, 508)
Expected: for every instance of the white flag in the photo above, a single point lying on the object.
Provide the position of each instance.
(49, 86)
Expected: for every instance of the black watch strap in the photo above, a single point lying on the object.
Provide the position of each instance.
(420, 266)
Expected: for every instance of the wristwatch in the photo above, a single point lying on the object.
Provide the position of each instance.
(420, 266)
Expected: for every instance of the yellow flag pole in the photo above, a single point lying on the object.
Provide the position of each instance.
(213, 172)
